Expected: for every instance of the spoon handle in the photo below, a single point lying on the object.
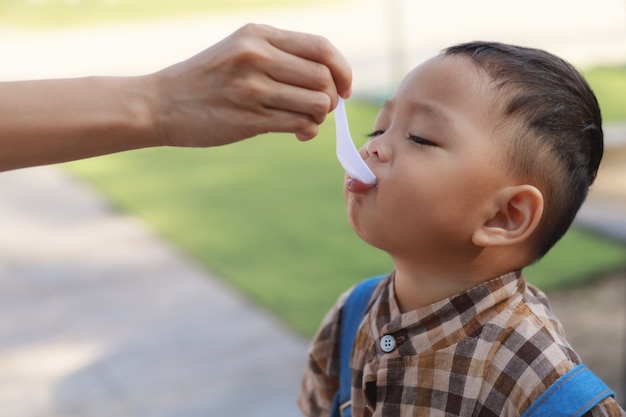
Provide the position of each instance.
(347, 153)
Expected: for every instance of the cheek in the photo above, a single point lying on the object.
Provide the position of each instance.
(434, 207)
(382, 219)
(359, 219)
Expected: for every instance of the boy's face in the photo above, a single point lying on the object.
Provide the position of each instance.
(437, 165)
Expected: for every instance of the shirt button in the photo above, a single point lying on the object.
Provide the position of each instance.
(387, 343)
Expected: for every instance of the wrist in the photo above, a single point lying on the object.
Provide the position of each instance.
(142, 112)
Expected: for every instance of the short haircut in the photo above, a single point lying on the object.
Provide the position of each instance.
(554, 128)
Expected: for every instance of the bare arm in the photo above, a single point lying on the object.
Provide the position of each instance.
(50, 121)
(257, 80)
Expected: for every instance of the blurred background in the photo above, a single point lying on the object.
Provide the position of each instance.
(177, 282)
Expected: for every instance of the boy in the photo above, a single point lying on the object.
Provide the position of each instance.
(483, 157)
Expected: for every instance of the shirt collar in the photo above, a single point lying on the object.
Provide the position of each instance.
(450, 320)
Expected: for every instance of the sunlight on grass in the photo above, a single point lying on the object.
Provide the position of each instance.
(609, 85)
(267, 215)
(578, 258)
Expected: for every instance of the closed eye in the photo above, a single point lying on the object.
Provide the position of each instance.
(421, 141)
(417, 139)
(375, 134)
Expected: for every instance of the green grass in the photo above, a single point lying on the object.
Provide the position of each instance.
(267, 215)
(577, 259)
(54, 13)
(609, 85)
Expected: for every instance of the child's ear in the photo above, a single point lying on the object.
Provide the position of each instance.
(512, 217)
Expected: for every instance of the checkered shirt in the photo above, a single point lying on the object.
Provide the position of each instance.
(489, 351)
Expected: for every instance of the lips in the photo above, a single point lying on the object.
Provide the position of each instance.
(357, 187)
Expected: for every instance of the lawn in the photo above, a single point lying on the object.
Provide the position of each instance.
(267, 216)
(609, 85)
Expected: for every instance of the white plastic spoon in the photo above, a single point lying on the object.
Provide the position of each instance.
(347, 153)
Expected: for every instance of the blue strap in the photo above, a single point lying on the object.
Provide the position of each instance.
(572, 395)
(351, 316)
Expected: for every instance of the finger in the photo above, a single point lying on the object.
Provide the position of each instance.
(288, 109)
(317, 49)
(282, 121)
(311, 78)
(291, 99)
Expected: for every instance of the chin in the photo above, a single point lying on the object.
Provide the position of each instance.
(361, 231)
(361, 223)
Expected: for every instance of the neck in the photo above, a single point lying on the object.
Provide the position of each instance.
(420, 282)
(414, 291)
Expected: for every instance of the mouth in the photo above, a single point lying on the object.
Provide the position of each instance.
(355, 186)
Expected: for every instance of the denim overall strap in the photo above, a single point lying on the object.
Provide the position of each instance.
(351, 316)
(572, 395)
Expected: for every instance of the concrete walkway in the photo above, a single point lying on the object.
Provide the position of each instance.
(99, 317)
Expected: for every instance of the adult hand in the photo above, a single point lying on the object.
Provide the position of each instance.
(258, 80)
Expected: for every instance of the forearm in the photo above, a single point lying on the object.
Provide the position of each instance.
(50, 121)
(258, 80)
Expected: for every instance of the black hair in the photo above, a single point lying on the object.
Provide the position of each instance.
(556, 127)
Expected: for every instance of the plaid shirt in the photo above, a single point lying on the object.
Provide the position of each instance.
(489, 351)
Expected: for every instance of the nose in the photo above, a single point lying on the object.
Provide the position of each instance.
(376, 148)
